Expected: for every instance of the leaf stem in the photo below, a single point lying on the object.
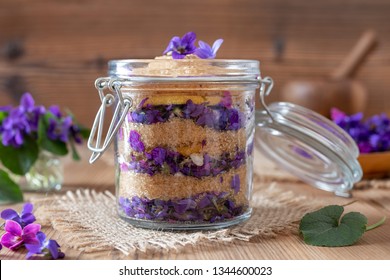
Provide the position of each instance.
(349, 203)
(377, 224)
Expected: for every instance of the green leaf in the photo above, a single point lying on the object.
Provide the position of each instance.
(84, 132)
(56, 147)
(9, 190)
(3, 115)
(75, 155)
(325, 228)
(19, 160)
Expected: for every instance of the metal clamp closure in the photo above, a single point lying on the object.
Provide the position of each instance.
(265, 91)
(107, 100)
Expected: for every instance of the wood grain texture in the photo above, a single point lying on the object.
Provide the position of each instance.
(63, 46)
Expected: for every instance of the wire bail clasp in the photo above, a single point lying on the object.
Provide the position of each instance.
(107, 100)
(266, 85)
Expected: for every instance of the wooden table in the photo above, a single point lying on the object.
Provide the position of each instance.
(374, 203)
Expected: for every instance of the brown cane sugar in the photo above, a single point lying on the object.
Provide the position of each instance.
(166, 187)
(186, 137)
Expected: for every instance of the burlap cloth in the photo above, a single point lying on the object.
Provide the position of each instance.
(88, 220)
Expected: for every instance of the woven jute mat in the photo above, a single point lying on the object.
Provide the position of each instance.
(88, 220)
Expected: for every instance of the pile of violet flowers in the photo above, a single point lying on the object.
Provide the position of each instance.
(25, 131)
(209, 206)
(220, 117)
(179, 48)
(21, 231)
(371, 135)
(161, 160)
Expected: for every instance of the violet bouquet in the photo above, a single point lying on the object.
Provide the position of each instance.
(21, 232)
(371, 134)
(25, 131)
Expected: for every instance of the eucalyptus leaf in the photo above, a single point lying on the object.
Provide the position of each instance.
(326, 227)
(19, 160)
(9, 190)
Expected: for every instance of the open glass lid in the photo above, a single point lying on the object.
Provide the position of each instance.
(308, 145)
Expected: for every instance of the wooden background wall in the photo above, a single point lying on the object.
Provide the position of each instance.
(55, 49)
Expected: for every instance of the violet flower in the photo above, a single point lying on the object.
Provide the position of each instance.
(161, 160)
(25, 218)
(180, 47)
(220, 117)
(47, 248)
(15, 236)
(59, 129)
(32, 112)
(5, 108)
(14, 128)
(226, 100)
(371, 135)
(207, 206)
(158, 155)
(205, 51)
(55, 110)
(235, 183)
(135, 142)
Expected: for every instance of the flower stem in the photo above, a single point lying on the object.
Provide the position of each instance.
(377, 224)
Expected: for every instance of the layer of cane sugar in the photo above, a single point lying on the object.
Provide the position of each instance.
(184, 136)
(167, 187)
(191, 65)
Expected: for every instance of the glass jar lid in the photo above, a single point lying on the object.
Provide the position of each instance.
(309, 146)
(190, 69)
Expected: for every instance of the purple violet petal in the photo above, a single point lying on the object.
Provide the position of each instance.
(174, 41)
(176, 55)
(217, 44)
(336, 114)
(183, 205)
(188, 39)
(141, 104)
(27, 101)
(41, 237)
(204, 202)
(11, 241)
(13, 228)
(203, 53)
(27, 208)
(235, 183)
(33, 249)
(135, 142)
(53, 248)
(55, 110)
(31, 229)
(30, 238)
(227, 100)
(28, 218)
(9, 214)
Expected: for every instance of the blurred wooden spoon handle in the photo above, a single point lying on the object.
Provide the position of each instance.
(351, 62)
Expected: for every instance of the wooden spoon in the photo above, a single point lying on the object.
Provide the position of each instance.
(338, 90)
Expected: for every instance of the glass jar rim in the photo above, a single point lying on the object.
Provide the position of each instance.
(209, 70)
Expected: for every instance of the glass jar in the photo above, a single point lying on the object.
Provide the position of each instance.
(184, 132)
(45, 175)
